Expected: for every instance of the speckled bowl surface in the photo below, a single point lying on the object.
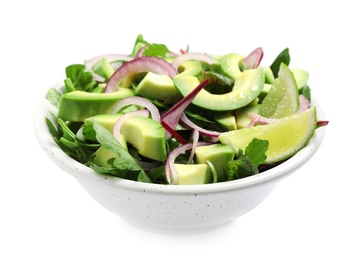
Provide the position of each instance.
(172, 208)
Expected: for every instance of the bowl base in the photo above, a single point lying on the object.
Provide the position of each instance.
(184, 231)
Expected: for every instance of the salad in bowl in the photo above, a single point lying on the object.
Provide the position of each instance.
(182, 118)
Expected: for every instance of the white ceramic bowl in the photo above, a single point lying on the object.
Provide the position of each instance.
(171, 208)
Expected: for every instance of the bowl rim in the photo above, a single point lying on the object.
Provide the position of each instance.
(83, 173)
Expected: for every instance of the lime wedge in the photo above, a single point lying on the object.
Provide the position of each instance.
(286, 136)
(282, 99)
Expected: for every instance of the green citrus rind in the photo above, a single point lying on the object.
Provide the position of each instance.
(286, 136)
(282, 99)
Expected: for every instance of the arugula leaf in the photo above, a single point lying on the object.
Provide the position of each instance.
(156, 50)
(246, 164)
(124, 164)
(54, 96)
(283, 57)
(256, 150)
(305, 91)
(79, 79)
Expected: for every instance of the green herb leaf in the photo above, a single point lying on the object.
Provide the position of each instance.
(283, 57)
(156, 50)
(247, 164)
(79, 79)
(256, 150)
(54, 96)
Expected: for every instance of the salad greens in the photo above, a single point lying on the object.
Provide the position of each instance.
(81, 141)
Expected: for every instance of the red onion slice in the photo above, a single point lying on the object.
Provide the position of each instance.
(303, 103)
(188, 123)
(110, 57)
(176, 62)
(195, 139)
(139, 65)
(253, 60)
(170, 170)
(117, 127)
(171, 116)
(256, 118)
(135, 100)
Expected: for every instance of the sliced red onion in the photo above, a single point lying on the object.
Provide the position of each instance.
(176, 62)
(253, 60)
(97, 77)
(256, 118)
(188, 123)
(303, 103)
(170, 170)
(172, 116)
(195, 140)
(136, 100)
(117, 127)
(110, 57)
(141, 51)
(139, 65)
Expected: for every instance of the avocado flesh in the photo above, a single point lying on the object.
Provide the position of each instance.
(106, 120)
(78, 105)
(154, 86)
(301, 77)
(147, 136)
(247, 87)
(190, 68)
(230, 65)
(242, 115)
(218, 154)
(192, 174)
(226, 120)
(103, 68)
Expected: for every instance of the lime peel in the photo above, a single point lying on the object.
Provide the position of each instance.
(286, 136)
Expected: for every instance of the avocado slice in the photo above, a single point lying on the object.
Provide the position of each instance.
(154, 86)
(78, 105)
(247, 87)
(147, 136)
(191, 174)
(106, 120)
(218, 154)
(301, 77)
(190, 68)
(103, 68)
(242, 117)
(226, 120)
(229, 65)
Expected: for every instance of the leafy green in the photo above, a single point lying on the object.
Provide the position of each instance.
(305, 91)
(283, 57)
(79, 79)
(54, 96)
(246, 164)
(156, 50)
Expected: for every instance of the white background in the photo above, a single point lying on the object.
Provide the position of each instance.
(45, 214)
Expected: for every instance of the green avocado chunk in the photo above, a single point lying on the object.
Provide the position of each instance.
(155, 86)
(218, 154)
(242, 115)
(147, 136)
(190, 68)
(226, 120)
(192, 174)
(247, 87)
(230, 65)
(103, 68)
(78, 105)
